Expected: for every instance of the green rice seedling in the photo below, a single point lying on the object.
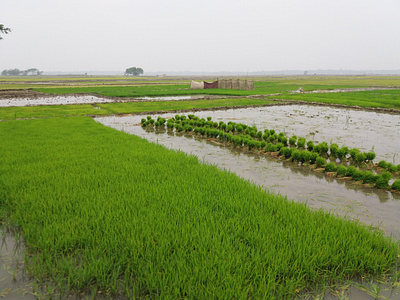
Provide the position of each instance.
(148, 118)
(239, 128)
(273, 148)
(370, 156)
(361, 157)
(334, 148)
(152, 121)
(342, 152)
(396, 185)
(317, 149)
(279, 146)
(310, 146)
(382, 182)
(305, 156)
(265, 137)
(183, 117)
(268, 147)
(293, 140)
(253, 133)
(383, 164)
(143, 120)
(341, 170)
(391, 167)
(351, 170)
(272, 131)
(209, 118)
(301, 142)
(259, 134)
(369, 177)
(324, 148)
(330, 167)
(286, 151)
(247, 130)
(353, 153)
(313, 157)
(295, 155)
(266, 131)
(263, 144)
(177, 117)
(358, 175)
(283, 139)
(156, 123)
(273, 137)
(320, 161)
(188, 128)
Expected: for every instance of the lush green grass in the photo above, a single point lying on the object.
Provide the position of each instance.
(12, 113)
(101, 209)
(383, 99)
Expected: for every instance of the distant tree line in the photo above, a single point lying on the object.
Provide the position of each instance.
(17, 72)
(134, 71)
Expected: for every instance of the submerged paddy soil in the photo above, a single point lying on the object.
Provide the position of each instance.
(361, 129)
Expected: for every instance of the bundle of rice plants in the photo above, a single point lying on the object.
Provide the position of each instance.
(391, 167)
(239, 128)
(293, 140)
(143, 120)
(369, 177)
(268, 147)
(334, 148)
(382, 164)
(320, 161)
(361, 157)
(358, 175)
(396, 185)
(305, 156)
(148, 118)
(370, 156)
(283, 139)
(272, 131)
(382, 182)
(209, 118)
(263, 144)
(313, 157)
(301, 142)
(259, 134)
(342, 152)
(330, 167)
(273, 137)
(279, 146)
(310, 145)
(341, 170)
(295, 155)
(353, 152)
(324, 148)
(286, 151)
(350, 171)
(188, 127)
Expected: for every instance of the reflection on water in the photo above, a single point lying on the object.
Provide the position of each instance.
(370, 205)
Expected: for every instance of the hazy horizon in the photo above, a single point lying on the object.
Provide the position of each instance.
(207, 37)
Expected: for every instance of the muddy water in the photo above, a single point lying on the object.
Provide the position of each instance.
(14, 283)
(365, 130)
(53, 100)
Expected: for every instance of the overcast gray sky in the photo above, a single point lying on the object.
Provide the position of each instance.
(200, 36)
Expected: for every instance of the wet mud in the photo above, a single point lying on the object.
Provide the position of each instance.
(364, 130)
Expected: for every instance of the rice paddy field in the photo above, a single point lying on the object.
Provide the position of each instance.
(99, 213)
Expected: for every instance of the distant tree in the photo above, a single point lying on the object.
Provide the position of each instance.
(4, 30)
(134, 71)
(17, 72)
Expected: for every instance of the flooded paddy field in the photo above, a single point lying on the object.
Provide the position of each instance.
(352, 128)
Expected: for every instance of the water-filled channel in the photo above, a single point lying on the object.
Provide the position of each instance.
(353, 128)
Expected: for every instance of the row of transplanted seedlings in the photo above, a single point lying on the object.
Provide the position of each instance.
(295, 148)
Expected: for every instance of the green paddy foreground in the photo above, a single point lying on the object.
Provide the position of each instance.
(102, 210)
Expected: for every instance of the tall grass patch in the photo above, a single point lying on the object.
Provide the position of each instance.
(101, 209)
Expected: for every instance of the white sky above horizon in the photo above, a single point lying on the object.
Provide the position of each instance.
(206, 36)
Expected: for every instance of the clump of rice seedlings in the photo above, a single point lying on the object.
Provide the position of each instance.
(209, 118)
(301, 142)
(334, 148)
(273, 137)
(295, 155)
(382, 164)
(268, 147)
(152, 121)
(313, 157)
(358, 175)
(283, 139)
(148, 118)
(143, 120)
(341, 170)
(279, 146)
(183, 117)
(382, 182)
(323, 148)
(310, 146)
(263, 144)
(239, 128)
(188, 128)
(370, 156)
(293, 140)
(361, 157)
(396, 185)
(330, 167)
(177, 117)
(265, 136)
(287, 152)
(391, 167)
(305, 156)
(353, 153)
(259, 134)
(320, 161)
(351, 170)
(342, 152)
(272, 131)
(369, 177)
